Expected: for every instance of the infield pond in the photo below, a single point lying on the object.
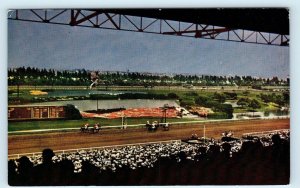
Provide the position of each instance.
(85, 105)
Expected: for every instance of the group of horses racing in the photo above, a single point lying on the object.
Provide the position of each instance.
(151, 127)
(91, 129)
(155, 124)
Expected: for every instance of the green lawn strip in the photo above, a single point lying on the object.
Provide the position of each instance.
(24, 95)
(56, 124)
(186, 95)
(240, 110)
(271, 107)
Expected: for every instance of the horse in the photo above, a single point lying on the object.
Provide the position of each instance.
(85, 128)
(153, 126)
(96, 128)
(165, 126)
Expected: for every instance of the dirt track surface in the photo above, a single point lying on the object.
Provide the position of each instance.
(18, 144)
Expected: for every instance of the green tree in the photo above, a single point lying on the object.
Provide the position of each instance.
(230, 95)
(286, 98)
(254, 104)
(243, 102)
(220, 97)
(72, 112)
(201, 100)
(173, 96)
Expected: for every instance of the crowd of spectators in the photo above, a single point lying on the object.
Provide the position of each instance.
(252, 160)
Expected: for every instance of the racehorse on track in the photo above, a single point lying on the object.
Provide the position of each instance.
(153, 126)
(165, 126)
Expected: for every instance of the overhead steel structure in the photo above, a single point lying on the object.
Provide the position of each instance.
(261, 26)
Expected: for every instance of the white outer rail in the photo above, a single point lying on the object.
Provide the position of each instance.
(140, 125)
(15, 156)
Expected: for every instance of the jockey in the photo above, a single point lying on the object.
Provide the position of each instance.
(148, 124)
(96, 126)
(153, 125)
(166, 124)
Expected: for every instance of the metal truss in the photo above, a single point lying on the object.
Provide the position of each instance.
(107, 20)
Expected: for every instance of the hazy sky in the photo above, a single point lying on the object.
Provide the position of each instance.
(64, 47)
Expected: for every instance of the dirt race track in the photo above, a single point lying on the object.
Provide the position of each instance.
(18, 144)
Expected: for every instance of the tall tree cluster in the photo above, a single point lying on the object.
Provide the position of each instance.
(35, 76)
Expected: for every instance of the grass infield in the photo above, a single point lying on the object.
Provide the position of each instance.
(56, 124)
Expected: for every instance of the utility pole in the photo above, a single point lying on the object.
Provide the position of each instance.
(165, 108)
(122, 118)
(204, 133)
(97, 104)
(18, 90)
(18, 86)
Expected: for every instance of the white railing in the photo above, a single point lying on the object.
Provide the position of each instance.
(16, 156)
(142, 125)
(265, 132)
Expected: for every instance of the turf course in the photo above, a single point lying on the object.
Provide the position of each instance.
(56, 124)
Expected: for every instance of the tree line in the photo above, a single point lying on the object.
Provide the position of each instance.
(51, 77)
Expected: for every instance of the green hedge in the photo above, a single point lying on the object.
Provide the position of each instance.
(219, 115)
(134, 96)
